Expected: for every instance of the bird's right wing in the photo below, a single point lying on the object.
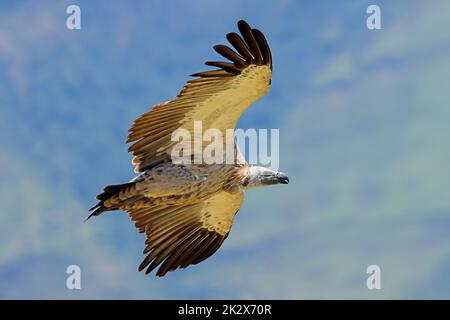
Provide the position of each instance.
(217, 98)
(178, 236)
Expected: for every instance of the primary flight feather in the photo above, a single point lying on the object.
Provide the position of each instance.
(187, 210)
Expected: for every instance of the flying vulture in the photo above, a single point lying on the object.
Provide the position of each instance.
(187, 210)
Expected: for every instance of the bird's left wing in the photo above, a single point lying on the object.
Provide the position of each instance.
(178, 236)
(217, 98)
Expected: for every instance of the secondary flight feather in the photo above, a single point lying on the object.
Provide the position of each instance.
(187, 210)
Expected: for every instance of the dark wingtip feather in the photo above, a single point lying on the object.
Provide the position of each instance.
(252, 48)
(228, 53)
(264, 47)
(196, 246)
(238, 43)
(212, 73)
(228, 67)
(243, 25)
(250, 40)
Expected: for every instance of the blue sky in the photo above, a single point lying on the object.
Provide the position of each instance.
(363, 118)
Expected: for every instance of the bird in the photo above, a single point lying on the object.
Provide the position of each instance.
(186, 210)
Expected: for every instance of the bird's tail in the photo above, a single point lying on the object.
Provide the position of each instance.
(108, 193)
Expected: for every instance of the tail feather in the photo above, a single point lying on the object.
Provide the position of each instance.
(111, 190)
(108, 192)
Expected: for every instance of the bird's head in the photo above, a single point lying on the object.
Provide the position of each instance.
(260, 177)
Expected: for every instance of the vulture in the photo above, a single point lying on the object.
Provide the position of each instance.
(186, 210)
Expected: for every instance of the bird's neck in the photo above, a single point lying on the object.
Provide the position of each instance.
(257, 177)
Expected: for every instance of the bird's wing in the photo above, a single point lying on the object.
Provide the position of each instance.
(217, 98)
(178, 236)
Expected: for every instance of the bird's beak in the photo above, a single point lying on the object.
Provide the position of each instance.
(282, 178)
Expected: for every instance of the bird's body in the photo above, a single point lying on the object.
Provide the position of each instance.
(177, 184)
(187, 209)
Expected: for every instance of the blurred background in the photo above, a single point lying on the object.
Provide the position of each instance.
(364, 129)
